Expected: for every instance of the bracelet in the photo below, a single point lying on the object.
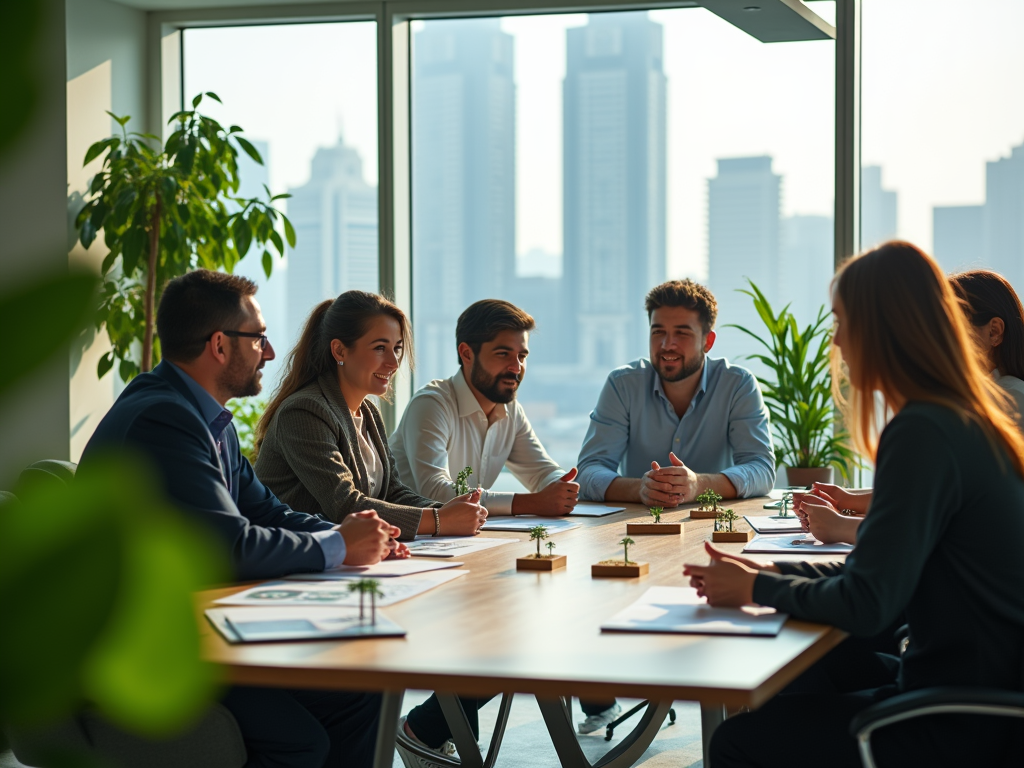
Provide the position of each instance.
(437, 521)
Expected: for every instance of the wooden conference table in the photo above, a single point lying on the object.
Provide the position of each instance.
(497, 630)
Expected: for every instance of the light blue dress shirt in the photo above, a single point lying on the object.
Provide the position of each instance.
(724, 430)
(218, 418)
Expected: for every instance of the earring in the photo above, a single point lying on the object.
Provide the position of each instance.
(341, 362)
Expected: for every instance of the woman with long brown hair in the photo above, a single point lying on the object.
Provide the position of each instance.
(942, 542)
(321, 443)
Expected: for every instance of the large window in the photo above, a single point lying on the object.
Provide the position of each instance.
(943, 130)
(306, 96)
(568, 163)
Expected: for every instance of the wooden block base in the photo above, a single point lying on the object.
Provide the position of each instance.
(703, 514)
(542, 563)
(645, 529)
(724, 536)
(621, 571)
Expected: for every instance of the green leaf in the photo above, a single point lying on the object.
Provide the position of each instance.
(134, 242)
(87, 233)
(122, 121)
(250, 150)
(50, 312)
(104, 365)
(214, 96)
(241, 233)
(196, 100)
(289, 231)
(96, 150)
(275, 238)
(268, 263)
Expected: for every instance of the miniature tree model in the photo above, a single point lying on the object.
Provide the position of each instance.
(538, 533)
(625, 547)
(787, 499)
(656, 514)
(653, 528)
(365, 587)
(725, 520)
(708, 508)
(461, 484)
(551, 548)
(360, 587)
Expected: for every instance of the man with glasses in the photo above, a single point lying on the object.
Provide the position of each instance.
(214, 345)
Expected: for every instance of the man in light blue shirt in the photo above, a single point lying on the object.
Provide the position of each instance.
(669, 427)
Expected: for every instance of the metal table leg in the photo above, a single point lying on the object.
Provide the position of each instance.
(558, 718)
(711, 716)
(462, 735)
(387, 728)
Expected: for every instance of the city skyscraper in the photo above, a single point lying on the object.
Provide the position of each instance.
(958, 235)
(1003, 216)
(464, 187)
(744, 204)
(807, 257)
(335, 219)
(613, 184)
(877, 208)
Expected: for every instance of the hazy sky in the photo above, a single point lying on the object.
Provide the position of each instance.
(941, 95)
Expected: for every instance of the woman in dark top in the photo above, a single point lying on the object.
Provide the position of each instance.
(321, 443)
(943, 541)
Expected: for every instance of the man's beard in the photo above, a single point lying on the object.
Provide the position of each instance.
(238, 378)
(488, 386)
(688, 368)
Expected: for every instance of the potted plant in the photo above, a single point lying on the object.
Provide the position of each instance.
(656, 527)
(620, 568)
(461, 483)
(707, 508)
(539, 562)
(808, 440)
(724, 530)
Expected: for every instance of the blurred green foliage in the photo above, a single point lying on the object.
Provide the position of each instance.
(164, 212)
(247, 412)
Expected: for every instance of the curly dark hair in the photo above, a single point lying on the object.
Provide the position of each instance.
(684, 293)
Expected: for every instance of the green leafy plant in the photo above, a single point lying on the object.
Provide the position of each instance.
(164, 212)
(799, 396)
(626, 542)
(247, 412)
(366, 587)
(724, 520)
(461, 483)
(708, 500)
(538, 533)
(656, 514)
(551, 548)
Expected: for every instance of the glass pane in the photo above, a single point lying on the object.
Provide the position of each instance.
(947, 132)
(569, 163)
(306, 97)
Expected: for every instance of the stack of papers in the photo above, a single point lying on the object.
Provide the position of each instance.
(586, 509)
(336, 593)
(762, 524)
(804, 544)
(523, 523)
(386, 569)
(253, 625)
(450, 546)
(678, 610)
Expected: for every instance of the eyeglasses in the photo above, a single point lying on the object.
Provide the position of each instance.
(248, 335)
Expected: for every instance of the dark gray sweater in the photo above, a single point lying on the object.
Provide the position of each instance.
(943, 542)
(310, 459)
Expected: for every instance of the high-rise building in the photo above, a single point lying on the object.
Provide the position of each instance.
(744, 203)
(463, 142)
(1004, 216)
(807, 258)
(613, 183)
(877, 208)
(958, 236)
(335, 219)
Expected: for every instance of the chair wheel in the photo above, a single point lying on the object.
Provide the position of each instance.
(672, 717)
(609, 733)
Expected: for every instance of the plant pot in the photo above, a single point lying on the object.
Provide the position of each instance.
(542, 563)
(804, 476)
(646, 529)
(732, 536)
(618, 569)
(703, 514)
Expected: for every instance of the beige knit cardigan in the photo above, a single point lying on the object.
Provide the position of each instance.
(310, 459)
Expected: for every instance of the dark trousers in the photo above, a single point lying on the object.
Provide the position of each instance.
(595, 707)
(428, 723)
(807, 725)
(306, 729)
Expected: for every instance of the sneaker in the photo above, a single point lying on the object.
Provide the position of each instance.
(599, 721)
(412, 759)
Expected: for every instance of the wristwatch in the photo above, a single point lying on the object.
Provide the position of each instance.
(437, 521)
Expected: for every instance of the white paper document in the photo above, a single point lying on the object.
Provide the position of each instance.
(584, 509)
(679, 610)
(385, 569)
(523, 523)
(336, 593)
(804, 543)
(450, 546)
(253, 625)
(762, 524)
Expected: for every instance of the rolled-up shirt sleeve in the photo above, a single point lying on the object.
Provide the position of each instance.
(425, 427)
(753, 470)
(333, 545)
(605, 444)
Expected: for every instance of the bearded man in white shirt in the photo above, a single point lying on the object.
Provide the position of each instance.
(473, 420)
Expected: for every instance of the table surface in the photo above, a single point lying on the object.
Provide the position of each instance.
(499, 630)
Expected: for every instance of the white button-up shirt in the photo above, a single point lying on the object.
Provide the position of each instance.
(444, 429)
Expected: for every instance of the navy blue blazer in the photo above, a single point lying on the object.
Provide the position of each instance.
(158, 416)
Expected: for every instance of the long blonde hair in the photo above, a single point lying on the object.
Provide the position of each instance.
(907, 336)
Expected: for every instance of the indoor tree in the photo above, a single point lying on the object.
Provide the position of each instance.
(164, 212)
